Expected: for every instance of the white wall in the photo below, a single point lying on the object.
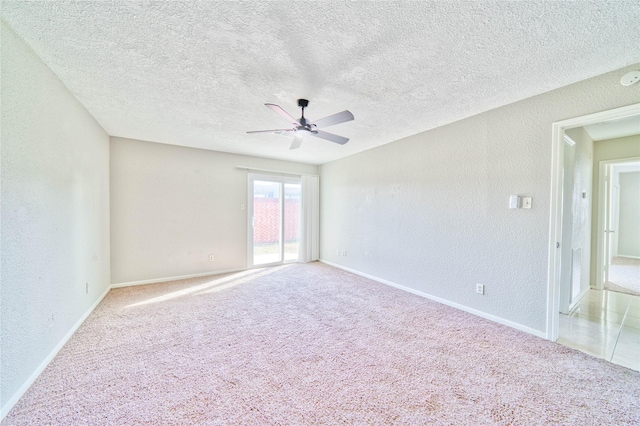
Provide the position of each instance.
(55, 213)
(430, 212)
(171, 207)
(629, 219)
(611, 149)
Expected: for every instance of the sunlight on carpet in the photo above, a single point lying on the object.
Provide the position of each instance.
(311, 344)
(211, 285)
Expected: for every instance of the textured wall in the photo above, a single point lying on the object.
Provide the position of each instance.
(55, 212)
(629, 224)
(430, 212)
(613, 149)
(171, 207)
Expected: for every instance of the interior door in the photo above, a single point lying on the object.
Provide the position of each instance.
(606, 240)
(274, 220)
(608, 226)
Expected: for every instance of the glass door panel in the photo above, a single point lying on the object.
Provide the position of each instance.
(267, 220)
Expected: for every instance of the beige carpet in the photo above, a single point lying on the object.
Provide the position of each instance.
(311, 344)
(624, 275)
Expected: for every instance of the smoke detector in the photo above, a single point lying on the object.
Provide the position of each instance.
(630, 78)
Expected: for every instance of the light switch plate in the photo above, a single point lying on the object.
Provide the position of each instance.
(514, 202)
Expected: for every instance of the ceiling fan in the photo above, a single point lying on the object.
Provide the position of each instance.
(303, 127)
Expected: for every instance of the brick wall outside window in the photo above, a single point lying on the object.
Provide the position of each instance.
(267, 218)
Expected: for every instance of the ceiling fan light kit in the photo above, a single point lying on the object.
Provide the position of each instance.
(303, 127)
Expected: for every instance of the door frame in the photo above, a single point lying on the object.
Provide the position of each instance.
(555, 220)
(282, 180)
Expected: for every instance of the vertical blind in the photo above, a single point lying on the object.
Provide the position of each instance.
(310, 220)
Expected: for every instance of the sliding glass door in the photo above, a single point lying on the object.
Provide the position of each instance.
(274, 220)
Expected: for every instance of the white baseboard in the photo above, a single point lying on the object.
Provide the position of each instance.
(472, 311)
(27, 384)
(181, 277)
(628, 257)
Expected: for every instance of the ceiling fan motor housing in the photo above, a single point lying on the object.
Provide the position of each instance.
(304, 123)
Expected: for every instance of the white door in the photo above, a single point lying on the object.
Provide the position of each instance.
(608, 223)
(566, 272)
(274, 220)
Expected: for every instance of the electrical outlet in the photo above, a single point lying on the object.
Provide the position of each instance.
(480, 288)
(211, 258)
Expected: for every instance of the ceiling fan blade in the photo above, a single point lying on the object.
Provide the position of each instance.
(330, 137)
(278, 110)
(279, 131)
(334, 119)
(297, 141)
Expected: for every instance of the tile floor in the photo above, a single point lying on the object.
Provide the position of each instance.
(605, 324)
(624, 275)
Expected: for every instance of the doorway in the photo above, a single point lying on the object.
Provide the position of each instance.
(597, 319)
(557, 226)
(274, 220)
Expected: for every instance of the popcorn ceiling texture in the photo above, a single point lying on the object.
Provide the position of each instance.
(311, 344)
(198, 73)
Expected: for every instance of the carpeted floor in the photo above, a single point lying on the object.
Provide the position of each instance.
(311, 344)
(624, 275)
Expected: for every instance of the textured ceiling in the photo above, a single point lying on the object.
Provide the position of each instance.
(198, 73)
(614, 129)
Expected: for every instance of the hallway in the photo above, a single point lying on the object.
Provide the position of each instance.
(605, 324)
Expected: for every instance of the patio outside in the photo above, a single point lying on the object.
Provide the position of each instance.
(268, 230)
(270, 252)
